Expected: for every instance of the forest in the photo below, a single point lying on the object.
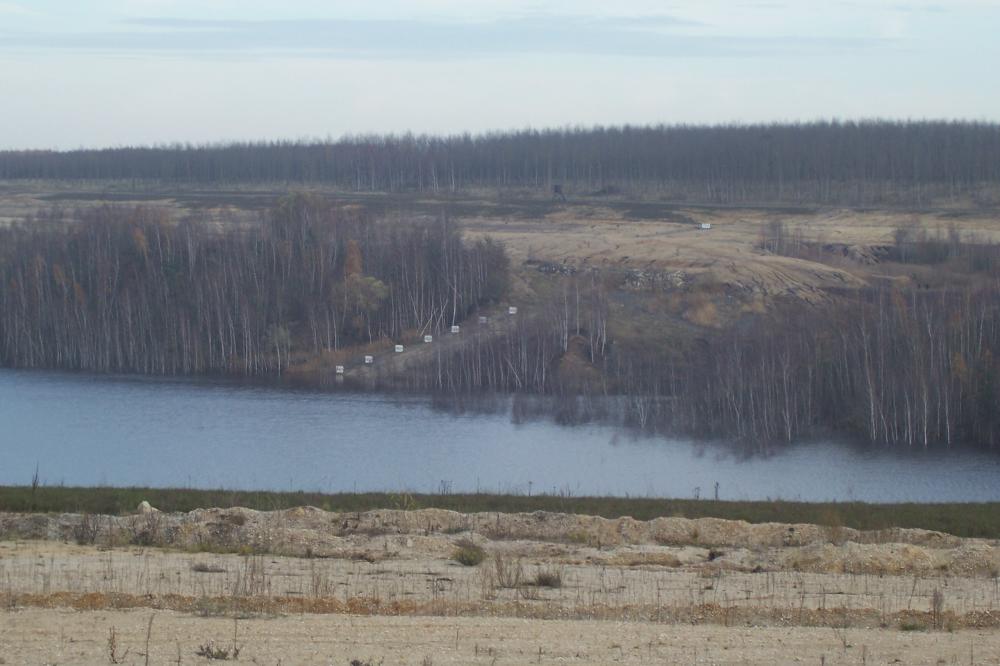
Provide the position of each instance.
(127, 290)
(889, 367)
(911, 163)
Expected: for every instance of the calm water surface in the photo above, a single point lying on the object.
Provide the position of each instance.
(86, 430)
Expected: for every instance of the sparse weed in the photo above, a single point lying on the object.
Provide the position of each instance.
(833, 524)
(210, 651)
(114, 656)
(529, 593)
(937, 608)
(507, 572)
(145, 530)
(85, 532)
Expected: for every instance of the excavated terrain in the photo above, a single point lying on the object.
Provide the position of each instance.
(392, 587)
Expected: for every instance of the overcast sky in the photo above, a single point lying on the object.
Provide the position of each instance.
(122, 72)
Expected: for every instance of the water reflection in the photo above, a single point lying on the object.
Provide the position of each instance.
(84, 430)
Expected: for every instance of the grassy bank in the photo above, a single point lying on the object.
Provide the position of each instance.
(970, 520)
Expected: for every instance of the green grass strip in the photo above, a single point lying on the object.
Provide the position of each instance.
(967, 520)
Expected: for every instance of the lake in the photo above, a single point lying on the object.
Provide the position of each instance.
(97, 430)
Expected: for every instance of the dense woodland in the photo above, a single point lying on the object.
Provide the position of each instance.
(874, 162)
(911, 368)
(126, 289)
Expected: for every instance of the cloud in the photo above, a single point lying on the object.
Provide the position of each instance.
(654, 36)
(914, 9)
(906, 8)
(15, 9)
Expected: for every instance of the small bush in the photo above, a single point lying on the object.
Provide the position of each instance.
(202, 567)
(237, 519)
(912, 625)
(548, 578)
(468, 554)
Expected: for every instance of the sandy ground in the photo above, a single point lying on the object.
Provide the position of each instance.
(727, 254)
(310, 586)
(68, 637)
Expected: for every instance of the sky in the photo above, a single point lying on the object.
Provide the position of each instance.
(79, 73)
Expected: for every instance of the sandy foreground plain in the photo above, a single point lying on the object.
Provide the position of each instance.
(58, 636)
(307, 586)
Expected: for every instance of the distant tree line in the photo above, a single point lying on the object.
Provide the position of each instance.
(128, 290)
(911, 244)
(870, 162)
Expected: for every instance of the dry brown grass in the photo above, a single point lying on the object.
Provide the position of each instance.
(732, 612)
(650, 559)
(704, 314)
(308, 366)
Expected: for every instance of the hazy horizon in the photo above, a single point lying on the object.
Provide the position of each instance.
(157, 72)
(349, 136)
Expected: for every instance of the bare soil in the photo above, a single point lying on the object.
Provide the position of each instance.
(34, 636)
(309, 586)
